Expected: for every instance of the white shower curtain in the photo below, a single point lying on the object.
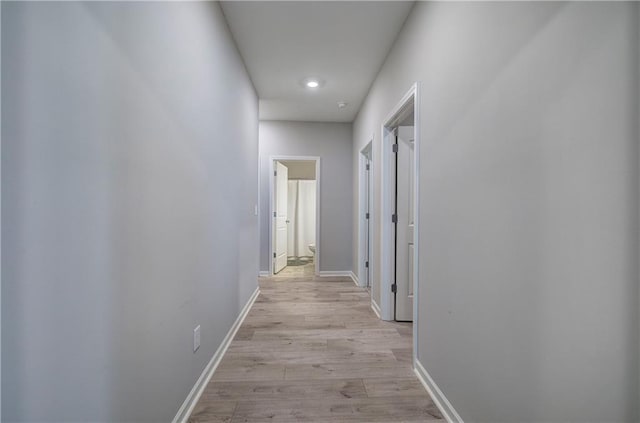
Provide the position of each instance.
(302, 218)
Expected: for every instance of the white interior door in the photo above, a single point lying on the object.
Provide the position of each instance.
(281, 192)
(405, 172)
(368, 220)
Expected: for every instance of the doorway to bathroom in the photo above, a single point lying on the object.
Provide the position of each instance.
(295, 216)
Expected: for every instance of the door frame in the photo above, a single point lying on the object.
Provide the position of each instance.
(362, 221)
(272, 160)
(387, 234)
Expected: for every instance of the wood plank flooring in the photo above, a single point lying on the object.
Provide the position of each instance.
(312, 350)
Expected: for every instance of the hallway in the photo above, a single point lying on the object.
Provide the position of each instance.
(475, 164)
(311, 349)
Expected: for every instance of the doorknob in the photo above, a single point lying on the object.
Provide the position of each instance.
(287, 220)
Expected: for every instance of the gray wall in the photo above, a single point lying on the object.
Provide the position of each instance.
(127, 212)
(528, 204)
(332, 143)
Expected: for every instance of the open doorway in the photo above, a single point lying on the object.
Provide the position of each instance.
(365, 262)
(399, 197)
(295, 216)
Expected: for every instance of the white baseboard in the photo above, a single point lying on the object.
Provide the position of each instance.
(376, 308)
(354, 278)
(192, 399)
(263, 273)
(443, 404)
(343, 273)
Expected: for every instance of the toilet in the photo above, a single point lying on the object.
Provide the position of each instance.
(312, 247)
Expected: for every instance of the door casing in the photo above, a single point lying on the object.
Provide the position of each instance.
(385, 265)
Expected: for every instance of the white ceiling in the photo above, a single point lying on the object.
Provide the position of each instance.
(343, 43)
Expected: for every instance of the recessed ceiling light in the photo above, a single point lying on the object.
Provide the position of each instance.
(342, 104)
(312, 82)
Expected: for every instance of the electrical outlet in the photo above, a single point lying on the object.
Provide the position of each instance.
(196, 338)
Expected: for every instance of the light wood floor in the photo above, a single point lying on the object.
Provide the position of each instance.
(312, 350)
(308, 269)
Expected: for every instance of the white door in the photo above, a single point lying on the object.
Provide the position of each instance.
(368, 220)
(281, 190)
(405, 171)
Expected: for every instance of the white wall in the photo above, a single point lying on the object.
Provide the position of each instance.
(332, 143)
(528, 204)
(129, 178)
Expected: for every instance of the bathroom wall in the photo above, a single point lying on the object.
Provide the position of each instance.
(300, 169)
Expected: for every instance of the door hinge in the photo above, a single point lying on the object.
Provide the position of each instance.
(275, 173)
(274, 255)
(366, 216)
(395, 148)
(394, 218)
(274, 214)
(367, 166)
(366, 264)
(394, 288)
